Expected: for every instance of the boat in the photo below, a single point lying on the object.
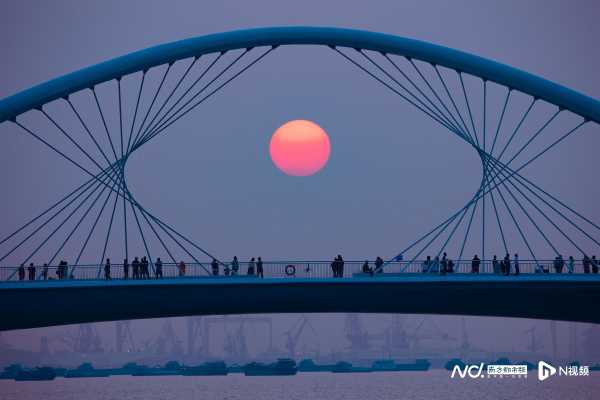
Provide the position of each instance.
(170, 368)
(11, 371)
(37, 374)
(283, 366)
(207, 369)
(420, 364)
(345, 367)
(87, 370)
(308, 365)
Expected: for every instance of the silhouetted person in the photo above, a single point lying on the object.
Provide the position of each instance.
(158, 272)
(559, 263)
(379, 265)
(366, 269)
(144, 268)
(31, 272)
(226, 269)
(516, 263)
(45, 272)
(586, 264)
(259, 268)
(235, 266)
(340, 266)
(571, 264)
(181, 268)
(107, 269)
(507, 264)
(594, 265)
(444, 264)
(495, 265)
(334, 267)
(251, 266)
(125, 269)
(135, 266)
(427, 264)
(475, 263)
(215, 267)
(450, 266)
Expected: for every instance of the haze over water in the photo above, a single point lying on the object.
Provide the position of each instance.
(435, 384)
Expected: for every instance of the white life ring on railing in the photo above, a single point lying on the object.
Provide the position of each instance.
(290, 270)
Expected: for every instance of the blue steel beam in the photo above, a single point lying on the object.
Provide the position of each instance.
(525, 82)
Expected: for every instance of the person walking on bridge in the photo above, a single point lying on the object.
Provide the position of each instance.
(158, 272)
(594, 265)
(145, 270)
(45, 272)
(215, 267)
(107, 270)
(495, 265)
(516, 263)
(181, 267)
(378, 265)
(259, 268)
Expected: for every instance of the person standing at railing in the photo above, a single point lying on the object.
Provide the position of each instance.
(135, 266)
(444, 264)
(251, 265)
(495, 265)
(559, 264)
(475, 263)
(340, 266)
(125, 269)
(516, 263)
(31, 272)
(21, 272)
(144, 268)
(181, 268)
(215, 267)
(378, 265)
(259, 268)
(334, 267)
(594, 265)
(571, 265)
(450, 266)
(426, 265)
(158, 272)
(507, 264)
(107, 270)
(235, 266)
(45, 272)
(586, 264)
(366, 269)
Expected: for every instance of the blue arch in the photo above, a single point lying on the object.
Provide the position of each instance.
(551, 92)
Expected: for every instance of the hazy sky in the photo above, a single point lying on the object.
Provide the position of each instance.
(392, 174)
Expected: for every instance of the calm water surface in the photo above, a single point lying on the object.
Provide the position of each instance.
(408, 385)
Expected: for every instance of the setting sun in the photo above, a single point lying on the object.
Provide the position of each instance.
(300, 148)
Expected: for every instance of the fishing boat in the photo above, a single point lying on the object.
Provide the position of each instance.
(283, 366)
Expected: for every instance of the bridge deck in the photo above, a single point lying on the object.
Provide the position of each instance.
(543, 296)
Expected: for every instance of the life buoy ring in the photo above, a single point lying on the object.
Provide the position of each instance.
(290, 270)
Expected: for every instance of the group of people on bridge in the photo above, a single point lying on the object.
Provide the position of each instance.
(139, 268)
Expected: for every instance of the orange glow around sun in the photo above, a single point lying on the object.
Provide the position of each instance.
(300, 148)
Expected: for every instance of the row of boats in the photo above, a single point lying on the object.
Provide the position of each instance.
(282, 367)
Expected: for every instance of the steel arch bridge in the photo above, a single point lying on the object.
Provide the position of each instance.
(452, 88)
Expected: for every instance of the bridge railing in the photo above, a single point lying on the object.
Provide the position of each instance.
(271, 269)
